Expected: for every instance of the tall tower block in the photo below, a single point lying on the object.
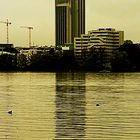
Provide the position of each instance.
(69, 20)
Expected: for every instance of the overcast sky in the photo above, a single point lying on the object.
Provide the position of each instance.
(119, 14)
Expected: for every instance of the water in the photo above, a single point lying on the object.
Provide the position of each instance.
(70, 106)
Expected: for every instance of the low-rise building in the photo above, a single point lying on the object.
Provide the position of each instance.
(105, 40)
(7, 49)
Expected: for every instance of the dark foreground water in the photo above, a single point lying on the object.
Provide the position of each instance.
(70, 106)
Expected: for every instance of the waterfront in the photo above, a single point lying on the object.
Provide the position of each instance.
(80, 106)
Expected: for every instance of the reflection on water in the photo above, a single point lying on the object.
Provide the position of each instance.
(70, 106)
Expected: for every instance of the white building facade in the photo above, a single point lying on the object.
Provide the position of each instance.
(105, 39)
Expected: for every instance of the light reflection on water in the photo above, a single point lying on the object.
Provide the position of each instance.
(72, 106)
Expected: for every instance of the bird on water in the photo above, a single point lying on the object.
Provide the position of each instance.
(10, 112)
(97, 104)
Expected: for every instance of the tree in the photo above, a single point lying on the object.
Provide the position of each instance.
(7, 62)
(120, 61)
(21, 62)
(133, 51)
(94, 62)
(128, 42)
(43, 61)
(66, 61)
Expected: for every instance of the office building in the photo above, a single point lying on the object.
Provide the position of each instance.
(69, 20)
(105, 40)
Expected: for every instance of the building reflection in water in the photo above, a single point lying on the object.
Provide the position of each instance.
(70, 106)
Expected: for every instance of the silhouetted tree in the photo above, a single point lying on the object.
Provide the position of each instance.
(43, 61)
(133, 51)
(94, 62)
(128, 42)
(22, 62)
(7, 62)
(120, 61)
(66, 61)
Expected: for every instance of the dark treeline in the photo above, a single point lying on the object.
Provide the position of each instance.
(126, 58)
(44, 61)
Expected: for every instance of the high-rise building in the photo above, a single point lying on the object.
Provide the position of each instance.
(69, 20)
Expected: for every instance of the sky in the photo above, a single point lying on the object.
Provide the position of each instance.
(40, 14)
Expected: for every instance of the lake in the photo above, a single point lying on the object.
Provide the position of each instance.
(69, 106)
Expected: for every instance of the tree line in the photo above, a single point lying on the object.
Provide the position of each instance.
(126, 58)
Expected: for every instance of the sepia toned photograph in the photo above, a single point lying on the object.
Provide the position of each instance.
(69, 70)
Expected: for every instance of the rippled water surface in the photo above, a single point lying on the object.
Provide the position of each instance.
(70, 106)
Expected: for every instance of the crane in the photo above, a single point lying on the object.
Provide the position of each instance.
(30, 28)
(7, 26)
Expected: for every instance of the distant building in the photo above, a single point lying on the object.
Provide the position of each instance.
(104, 39)
(69, 20)
(28, 52)
(66, 47)
(7, 49)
